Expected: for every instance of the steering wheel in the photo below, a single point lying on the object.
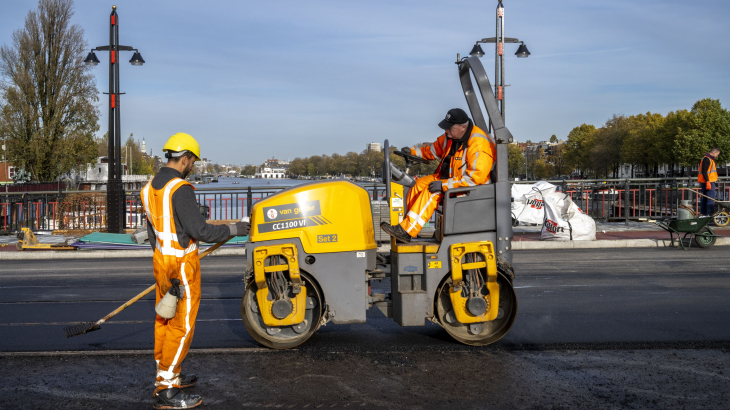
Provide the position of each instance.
(410, 159)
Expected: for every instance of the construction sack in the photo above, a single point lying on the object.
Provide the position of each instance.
(564, 221)
(527, 201)
(555, 227)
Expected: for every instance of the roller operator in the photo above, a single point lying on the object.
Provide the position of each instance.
(175, 226)
(466, 154)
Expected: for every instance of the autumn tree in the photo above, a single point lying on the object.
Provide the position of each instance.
(516, 162)
(706, 126)
(47, 94)
(579, 146)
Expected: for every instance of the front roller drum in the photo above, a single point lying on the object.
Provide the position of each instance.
(282, 337)
(478, 334)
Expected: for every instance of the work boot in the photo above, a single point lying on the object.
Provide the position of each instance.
(174, 398)
(396, 231)
(187, 380)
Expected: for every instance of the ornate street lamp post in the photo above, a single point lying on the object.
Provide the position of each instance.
(115, 195)
(499, 41)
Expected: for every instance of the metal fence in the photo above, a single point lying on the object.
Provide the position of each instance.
(607, 199)
(630, 199)
(86, 210)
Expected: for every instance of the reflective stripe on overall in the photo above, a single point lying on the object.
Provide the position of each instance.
(170, 260)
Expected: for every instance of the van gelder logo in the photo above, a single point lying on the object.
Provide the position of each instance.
(271, 214)
(553, 227)
(535, 203)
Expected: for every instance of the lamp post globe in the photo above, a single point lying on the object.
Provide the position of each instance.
(476, 51)
(91, 59)
(137, 59)
(522, 51)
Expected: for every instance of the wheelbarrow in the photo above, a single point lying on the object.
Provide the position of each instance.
(722, 215)
(696, 229)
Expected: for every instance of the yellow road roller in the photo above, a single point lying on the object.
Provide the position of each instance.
(312, 253)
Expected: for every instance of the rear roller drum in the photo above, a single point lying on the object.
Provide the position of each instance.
(282, 337)
(478, 334)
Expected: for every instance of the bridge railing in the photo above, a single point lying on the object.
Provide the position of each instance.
(602, 199)
(631, 199)
(86, 210)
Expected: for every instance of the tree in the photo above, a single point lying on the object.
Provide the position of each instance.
(578, 147)
(553, 139)
(641, 146)
(516, 160)
(707, 125)
(541, 169)
(48, 97)
(557, 160)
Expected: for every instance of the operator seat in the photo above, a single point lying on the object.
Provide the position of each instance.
(467, 210)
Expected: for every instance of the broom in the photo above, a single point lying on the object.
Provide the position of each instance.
(86, 327)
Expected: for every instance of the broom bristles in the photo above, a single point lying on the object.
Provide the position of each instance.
(80, 329)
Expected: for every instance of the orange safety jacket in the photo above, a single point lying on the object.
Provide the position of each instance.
(711, 173)
(468, 168)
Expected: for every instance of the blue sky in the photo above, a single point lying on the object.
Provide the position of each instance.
(253, 80)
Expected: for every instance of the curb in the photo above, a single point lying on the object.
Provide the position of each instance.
(516, 246)
(107, 254)
(618, 243)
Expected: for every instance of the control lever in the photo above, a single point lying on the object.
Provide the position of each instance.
(401, 177)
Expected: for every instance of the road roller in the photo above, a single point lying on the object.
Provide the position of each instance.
(312, 254)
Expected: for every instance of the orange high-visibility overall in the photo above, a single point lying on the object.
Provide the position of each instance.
(711, 173)
(170, 260)
(468, 168)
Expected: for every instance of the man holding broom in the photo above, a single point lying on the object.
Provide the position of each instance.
(174, 226)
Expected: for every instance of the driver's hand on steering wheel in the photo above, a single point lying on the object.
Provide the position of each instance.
(406, 150)
(435, 187)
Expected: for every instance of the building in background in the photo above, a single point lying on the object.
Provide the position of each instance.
(95, 177)
(374, 147)
(201, 167)
(271, 173)
(6, 173)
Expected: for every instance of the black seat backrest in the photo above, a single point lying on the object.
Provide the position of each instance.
(469, 209)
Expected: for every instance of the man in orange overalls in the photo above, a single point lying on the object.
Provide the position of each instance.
(174, 226)
(467, 155)
(707, 177)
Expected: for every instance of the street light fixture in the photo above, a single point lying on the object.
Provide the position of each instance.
(522, 51)
(499, 41)
(115, 195)
(91, 59)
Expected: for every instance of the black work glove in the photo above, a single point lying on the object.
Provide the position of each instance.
(435, 187)
(176, 290)
(241, 228)
(406, 150)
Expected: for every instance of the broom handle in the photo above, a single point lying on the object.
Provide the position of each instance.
(689, 189)
(152, 287)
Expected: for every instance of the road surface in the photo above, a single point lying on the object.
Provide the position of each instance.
(616, 328)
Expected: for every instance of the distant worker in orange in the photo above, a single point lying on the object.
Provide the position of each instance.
(467, 155)
(707, 177)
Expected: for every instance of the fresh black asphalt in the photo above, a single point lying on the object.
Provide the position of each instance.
(599, 328)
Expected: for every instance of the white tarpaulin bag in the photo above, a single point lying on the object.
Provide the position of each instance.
(554, 227)
(527, 201)
(565, 221)
(583, 226)
(529, 209)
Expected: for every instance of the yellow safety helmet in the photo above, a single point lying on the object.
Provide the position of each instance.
(182, 142)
